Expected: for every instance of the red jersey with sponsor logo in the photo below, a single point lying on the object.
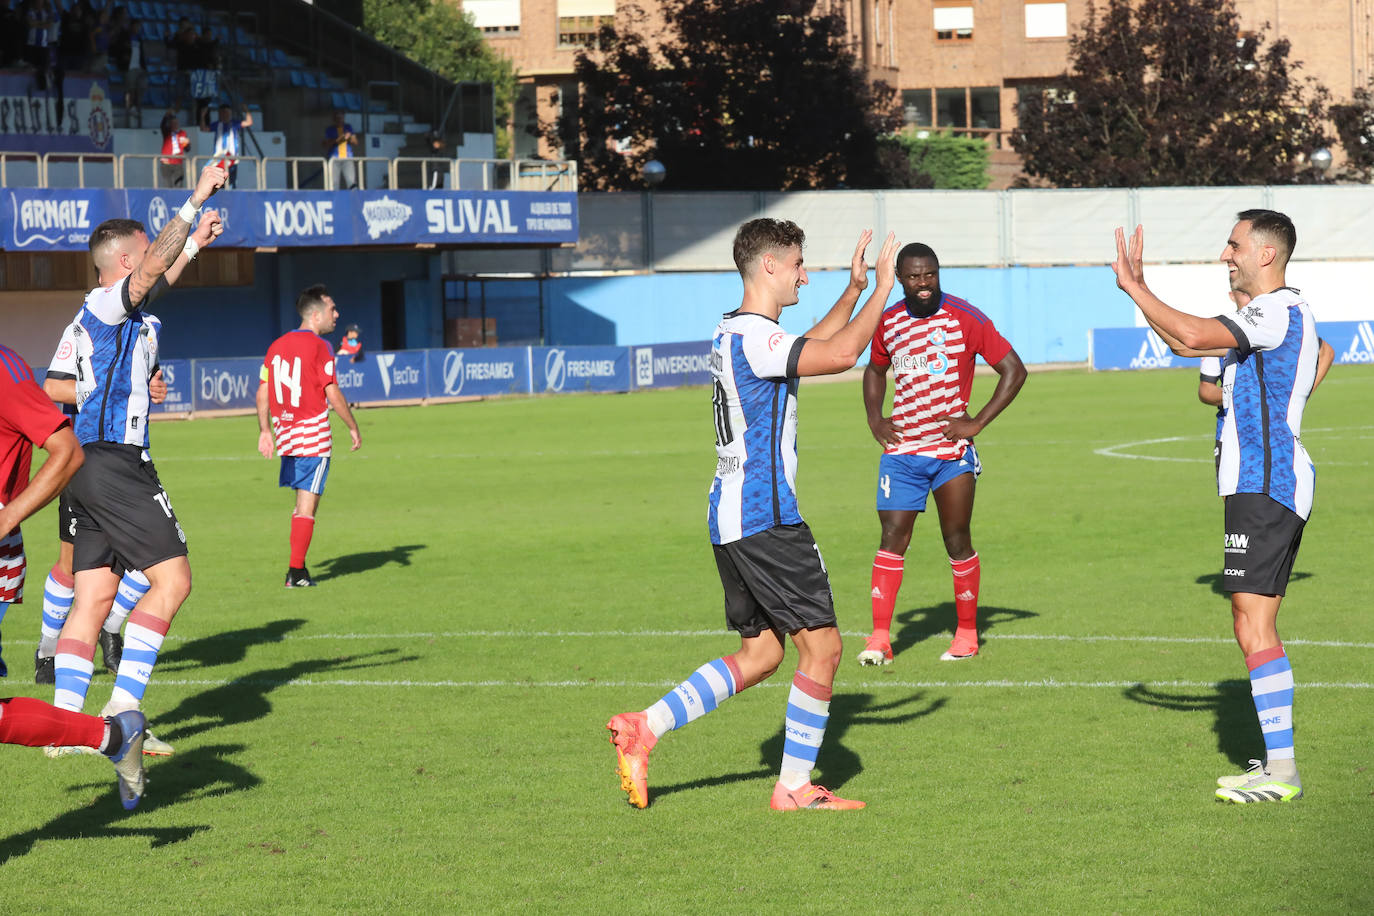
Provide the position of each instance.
(932, 363)
(27, 418)
(298, 367)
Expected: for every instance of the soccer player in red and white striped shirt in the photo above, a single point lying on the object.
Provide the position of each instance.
(296, 392)
(930, 340)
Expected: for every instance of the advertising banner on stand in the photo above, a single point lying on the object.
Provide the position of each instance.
(224, 384)
(672, 365)
(479, 372)
(568, 369)
(30, 120)
(386, 376)
(177, 374)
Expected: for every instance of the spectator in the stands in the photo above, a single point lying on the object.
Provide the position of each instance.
(39, 16)
(228, 138)
(205, 77)
(340, 143)
(100, 40)
(126, 47)
(186, 46)
(11, 35)
(175, 143)
(351, 345)
(438, 171)
(73, 51)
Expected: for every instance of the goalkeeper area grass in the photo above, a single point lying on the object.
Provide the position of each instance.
(424, 731)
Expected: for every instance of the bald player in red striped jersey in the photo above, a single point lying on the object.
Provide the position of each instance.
(297, 389)
(930, 340)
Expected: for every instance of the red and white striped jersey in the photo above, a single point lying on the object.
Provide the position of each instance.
(298, 367)
(932, 363)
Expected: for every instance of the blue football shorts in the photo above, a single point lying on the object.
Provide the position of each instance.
(300, 473)
(904, 481)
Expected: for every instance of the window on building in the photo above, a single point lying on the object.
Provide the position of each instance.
(892, 33)
(953, 21)
(985, 107)
(916, 107)
(494, 17)
(951, 109)
(1047, 20)
(579, 21)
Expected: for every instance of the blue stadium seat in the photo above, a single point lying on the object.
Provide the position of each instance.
(338, 101)
(312, 79)
(354, 100)
(297, 80)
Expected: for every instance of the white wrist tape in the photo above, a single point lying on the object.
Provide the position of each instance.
(188, 211)
(190, 249)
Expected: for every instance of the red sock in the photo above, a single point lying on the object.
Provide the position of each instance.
(24, 720)
(302, 528)
(966, 592)
(887, 580)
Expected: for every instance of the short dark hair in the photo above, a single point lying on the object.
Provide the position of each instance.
(760, 235)
(311, 299)
(916, 250)
(1275, 228)
(114, 229)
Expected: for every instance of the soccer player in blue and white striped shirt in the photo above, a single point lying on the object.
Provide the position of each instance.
(770, 567)
(1269, 351)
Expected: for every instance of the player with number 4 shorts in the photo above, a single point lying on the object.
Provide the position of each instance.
(297, 389)
(929, 342)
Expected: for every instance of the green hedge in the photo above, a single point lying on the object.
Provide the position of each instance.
(951, 162)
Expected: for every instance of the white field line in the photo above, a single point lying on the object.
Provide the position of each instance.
(678, 634)
(702, 634)
(845, 686)
(1122, 450)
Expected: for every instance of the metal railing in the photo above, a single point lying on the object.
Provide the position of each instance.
(289, 173)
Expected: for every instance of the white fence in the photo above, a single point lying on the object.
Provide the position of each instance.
(674, 231)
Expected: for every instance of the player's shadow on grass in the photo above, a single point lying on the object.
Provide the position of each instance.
(200, 773)
(920, 624)
(1236, 727)
(225, 648)
(838, 764)
(245, 699)
(1214, 581)
(366, 561)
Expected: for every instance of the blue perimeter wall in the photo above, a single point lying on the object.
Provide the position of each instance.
(1046, 312)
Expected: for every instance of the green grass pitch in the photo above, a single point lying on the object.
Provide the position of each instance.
(423, 732)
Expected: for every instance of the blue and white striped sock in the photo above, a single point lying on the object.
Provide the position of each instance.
(132, 588)
(808, 711)
(73, 667)
(142, 642)
(709, 686)
(1271, 684)
(57, 604)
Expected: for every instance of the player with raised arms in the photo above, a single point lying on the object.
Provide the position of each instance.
(930, 341)
(297, 388)
(775, 582)
(124, 518)
(1269, 350)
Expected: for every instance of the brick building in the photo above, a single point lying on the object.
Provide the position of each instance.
(958, 64)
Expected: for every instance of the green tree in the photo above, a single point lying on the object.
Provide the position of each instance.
(1354, 122)
(438, 35)
(733, 94)
(1170, 92)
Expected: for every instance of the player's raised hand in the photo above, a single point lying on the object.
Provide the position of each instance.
(886, 268)
(210, 228)
(265, 444)
(1129, 265)
(212, 178)
(858, 267)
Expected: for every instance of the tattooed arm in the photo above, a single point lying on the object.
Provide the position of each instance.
(166, 248)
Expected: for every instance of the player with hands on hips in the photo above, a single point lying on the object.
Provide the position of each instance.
(929, 342)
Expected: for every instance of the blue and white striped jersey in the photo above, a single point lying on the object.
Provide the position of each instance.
(1265, 384)
(754, 366)
(115, 354)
